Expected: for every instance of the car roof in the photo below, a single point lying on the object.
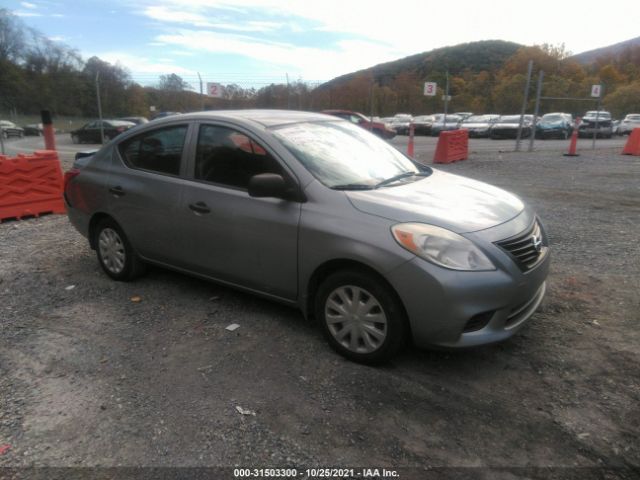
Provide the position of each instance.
(267, 118)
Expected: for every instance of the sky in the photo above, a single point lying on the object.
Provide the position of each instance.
(258, 42)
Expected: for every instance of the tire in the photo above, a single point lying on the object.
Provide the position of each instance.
(75, 139)
(115, 254)
(565, 134)
(350, 329)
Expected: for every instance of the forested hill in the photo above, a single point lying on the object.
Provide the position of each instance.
(486, 55)
(614, 50)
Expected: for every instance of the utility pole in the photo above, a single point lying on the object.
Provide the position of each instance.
(446, 101)
(288, 93)
(371, 104)
(595, 133)
(201, 93)
(524, 105)
(537, 109)
(99, 107)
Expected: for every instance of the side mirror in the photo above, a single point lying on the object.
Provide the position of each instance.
(268, 185)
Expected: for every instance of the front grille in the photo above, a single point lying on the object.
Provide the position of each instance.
(525, 248)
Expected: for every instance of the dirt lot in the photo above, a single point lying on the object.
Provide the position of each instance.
(91, 378)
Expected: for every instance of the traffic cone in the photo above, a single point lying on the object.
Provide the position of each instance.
(573, 144)
(410, 152)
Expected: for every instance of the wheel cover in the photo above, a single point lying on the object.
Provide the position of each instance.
(355, 319)
(112, 250)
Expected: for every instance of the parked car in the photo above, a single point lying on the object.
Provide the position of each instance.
(90, 132)
(422, 124)
(555, 125)
(10, 129)
(629, 122)
(401, 123)
(479, 125)
(377, 128)
(463, 115)
(136, 120)
(598, 122)
(312, 211)
(33, 129)
(439, 124)
(507, 127)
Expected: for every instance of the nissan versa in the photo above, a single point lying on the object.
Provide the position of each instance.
(318, 213)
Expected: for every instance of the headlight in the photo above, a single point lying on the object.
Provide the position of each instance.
(441, 246)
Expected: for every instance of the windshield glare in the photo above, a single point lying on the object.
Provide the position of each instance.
(338, 153)
(552, 118)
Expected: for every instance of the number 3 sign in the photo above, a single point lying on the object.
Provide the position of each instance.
(430, 88)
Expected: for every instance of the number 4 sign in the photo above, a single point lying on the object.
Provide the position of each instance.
(430, 88)
(596, 90)
(214, 90)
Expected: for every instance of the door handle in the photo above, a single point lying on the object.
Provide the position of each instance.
(199, 208)
(117, 191)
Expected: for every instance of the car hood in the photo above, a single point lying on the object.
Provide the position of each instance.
(449, 201)
(551, 124)
(475, 125)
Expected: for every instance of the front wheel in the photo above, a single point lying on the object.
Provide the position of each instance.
(360, 317)
(115, 254)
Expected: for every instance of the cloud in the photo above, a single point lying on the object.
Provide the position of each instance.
(143, 65)
(314, 63)
(20, 13)
(166, 14)
(28, 5)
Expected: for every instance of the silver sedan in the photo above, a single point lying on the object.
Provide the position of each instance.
(314, 212)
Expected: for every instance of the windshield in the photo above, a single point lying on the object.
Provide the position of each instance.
(512, 118)
(633, 117)
(477, 119)
(552, 118)
(339, 154)
(600, 114)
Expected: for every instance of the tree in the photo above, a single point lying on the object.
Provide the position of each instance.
(173, 83)
(624, 100)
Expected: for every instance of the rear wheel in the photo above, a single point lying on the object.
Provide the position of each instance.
(361, 319)
(115, 254)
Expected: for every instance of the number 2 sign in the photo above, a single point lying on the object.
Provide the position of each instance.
(214, 90)
(430, 88)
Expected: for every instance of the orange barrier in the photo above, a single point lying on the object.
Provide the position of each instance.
(633, 143)
(30, 185)
(452, 146)
(410, 151)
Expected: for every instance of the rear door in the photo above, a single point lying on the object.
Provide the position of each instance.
(145, 190)
(232, 236)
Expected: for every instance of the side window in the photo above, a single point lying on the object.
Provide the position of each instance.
(228, 157)
(157, 151)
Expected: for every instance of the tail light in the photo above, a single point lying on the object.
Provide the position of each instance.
(69, 175)
(120, 129)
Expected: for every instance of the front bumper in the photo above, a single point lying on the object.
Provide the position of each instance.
(441, 303)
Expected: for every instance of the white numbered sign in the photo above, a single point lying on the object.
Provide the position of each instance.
(596, 90)
(430, 88)
(214, 90)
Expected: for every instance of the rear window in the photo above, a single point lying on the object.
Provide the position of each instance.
(158, 151)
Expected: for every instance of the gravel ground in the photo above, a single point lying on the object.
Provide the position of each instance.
(99, 373)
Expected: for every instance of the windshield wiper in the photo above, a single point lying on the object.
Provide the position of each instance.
(400, 176)
(353, 186)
